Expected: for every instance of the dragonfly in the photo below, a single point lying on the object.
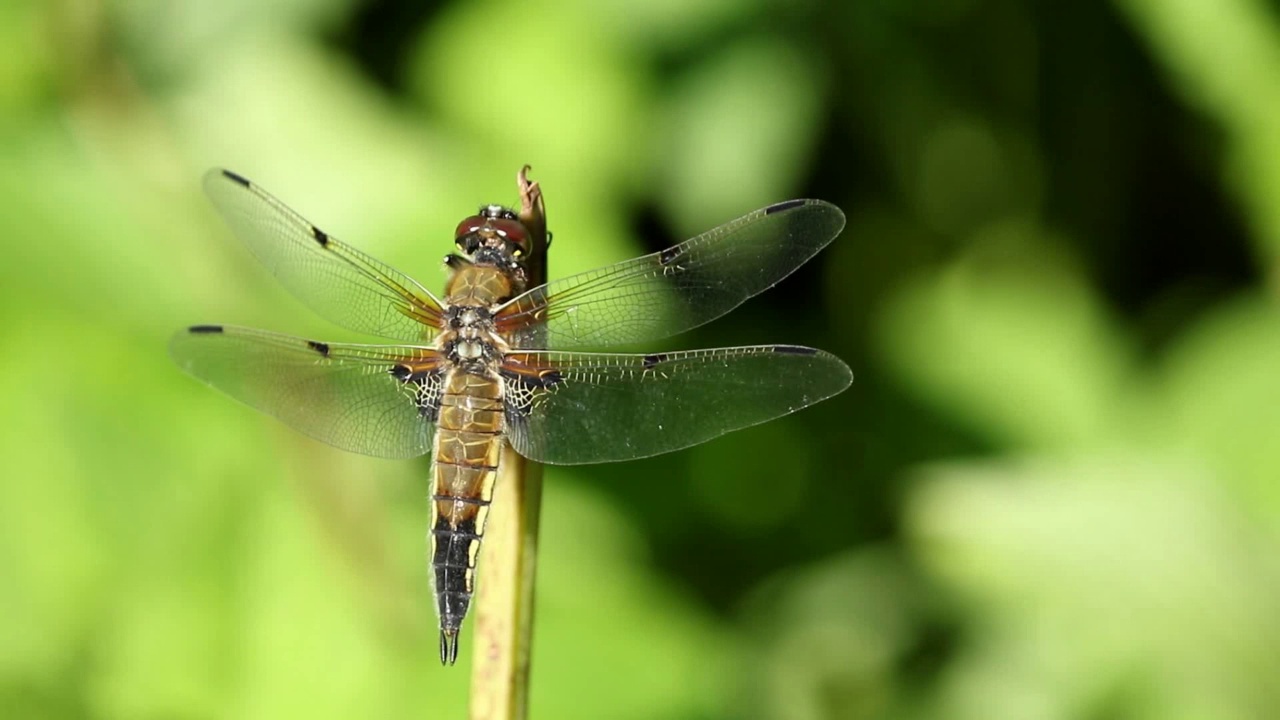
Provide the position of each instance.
(495, 362)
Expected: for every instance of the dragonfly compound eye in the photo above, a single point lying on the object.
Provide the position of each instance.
(469, 226)
(513, 232)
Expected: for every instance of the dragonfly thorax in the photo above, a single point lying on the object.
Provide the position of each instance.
(468, 317)
(470, 351)
(469, 342)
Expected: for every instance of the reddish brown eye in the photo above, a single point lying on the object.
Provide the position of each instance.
(468, 226)
(512, 230)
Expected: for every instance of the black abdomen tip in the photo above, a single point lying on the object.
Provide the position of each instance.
(448, 647)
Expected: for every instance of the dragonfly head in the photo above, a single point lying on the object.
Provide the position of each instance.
(494, 236)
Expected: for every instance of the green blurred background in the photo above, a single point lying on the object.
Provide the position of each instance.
(1050, 493)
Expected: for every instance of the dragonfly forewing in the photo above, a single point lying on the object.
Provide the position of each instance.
(668, 292)
(340, 283)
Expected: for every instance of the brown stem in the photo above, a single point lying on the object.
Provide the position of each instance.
(504, 605)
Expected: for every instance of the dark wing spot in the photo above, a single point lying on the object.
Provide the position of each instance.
(320, 236)
(240, 179)
(430, 389)
(783, 206)
(204, 329)
(544, 379)
(650, 361)
(322, 348)
(668, 256)
(521, 391)
(794, 350)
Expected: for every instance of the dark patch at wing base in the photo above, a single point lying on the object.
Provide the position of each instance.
(520, 389)
(322, 348)
(204, 329)
(542, 380)
(430, 387)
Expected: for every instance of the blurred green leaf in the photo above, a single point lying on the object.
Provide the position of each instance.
(1224, 58)
(737, 132)
(829, 638)
(643, 648)
(1092, 578)
(1223, 399)
(1011, 341)
(26, 67)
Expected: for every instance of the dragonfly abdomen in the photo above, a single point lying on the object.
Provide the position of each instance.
(468, 446)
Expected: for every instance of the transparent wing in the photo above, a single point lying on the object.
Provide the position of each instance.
(571, 408)
(370, 399)
(337, 281)
(668, 292)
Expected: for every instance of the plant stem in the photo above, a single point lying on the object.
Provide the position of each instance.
(504, 605)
